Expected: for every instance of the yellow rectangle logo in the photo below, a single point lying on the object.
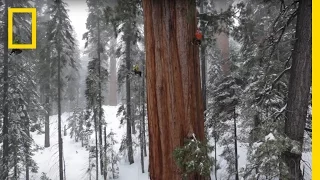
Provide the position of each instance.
(33, 12)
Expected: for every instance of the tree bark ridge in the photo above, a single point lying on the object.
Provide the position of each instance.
(174, 99)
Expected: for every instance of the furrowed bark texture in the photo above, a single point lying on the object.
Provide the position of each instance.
(175, 107)
(299, 87)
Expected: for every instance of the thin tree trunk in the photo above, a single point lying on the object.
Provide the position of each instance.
(47, 102)
(96, 136)
(129, 118)
(141, 127)
(76, 133)
(5, 159)
(143, 113)
(89, 167)
(81, 139)
(113, 101)
(299, 87)
(215, 136)
(27, 164)
(133, 120)
(235, 144)
(47, 121)
(64, 169)
(174, 97)
(59, 118)
(112, 165)
(27, 172)
(65, 131)
(15, 162)
(105, 154)
(100, 48)
(27, 131)
(215, 159)
(59, 111)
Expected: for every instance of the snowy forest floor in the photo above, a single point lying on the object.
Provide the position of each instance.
(77, 157)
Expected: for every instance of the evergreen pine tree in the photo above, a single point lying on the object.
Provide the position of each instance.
(128, 14)
(266, 54)
(92, 94)
(20, 104)
(62, 41)
(98, 38)
(112, 157)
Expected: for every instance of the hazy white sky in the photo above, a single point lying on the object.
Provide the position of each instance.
(78, 16)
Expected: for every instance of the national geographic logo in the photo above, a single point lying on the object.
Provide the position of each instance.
(33, 13)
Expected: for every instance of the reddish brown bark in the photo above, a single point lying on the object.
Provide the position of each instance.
(174, 100)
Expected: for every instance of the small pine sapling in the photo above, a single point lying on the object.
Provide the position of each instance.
(112, 157)
(193, 157)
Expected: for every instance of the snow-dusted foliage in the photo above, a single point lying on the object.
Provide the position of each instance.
(193, 157)
(21, 105)
(112, 157)
(77, 125)
(44, 176)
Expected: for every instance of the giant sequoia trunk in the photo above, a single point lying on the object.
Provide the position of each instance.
(299, 87)
(175, 107)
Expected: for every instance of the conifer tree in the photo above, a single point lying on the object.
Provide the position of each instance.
(98, 37)
(92, 95)
(20, 104)
(128, 14)
(62, 41)
(112, 157)
(266, 54)
(44, 66)
(299, 86)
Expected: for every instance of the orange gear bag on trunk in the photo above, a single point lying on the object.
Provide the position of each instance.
(198, 35)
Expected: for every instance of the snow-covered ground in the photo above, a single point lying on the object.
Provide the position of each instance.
(77, 157)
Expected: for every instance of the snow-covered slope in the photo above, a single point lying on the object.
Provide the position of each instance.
(76, 157)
